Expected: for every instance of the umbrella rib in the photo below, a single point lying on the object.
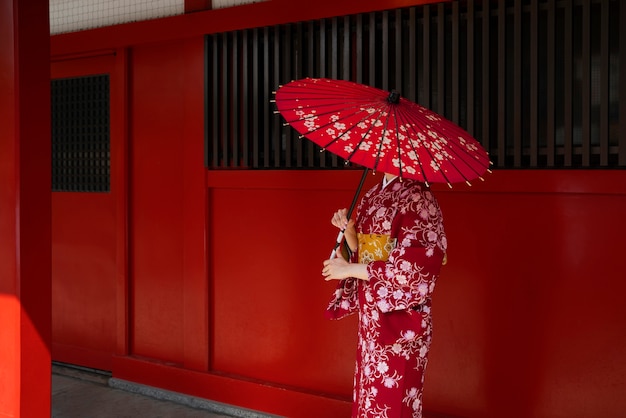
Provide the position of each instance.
(316, 115)
(356, 102)
(356, 148)
(330, 123)
(330, 97)
(419, 163)
(394, 110)
(293, 94)
(331, 87)
(322, 94)
(380, 142)
(461, 156)
(432, 157)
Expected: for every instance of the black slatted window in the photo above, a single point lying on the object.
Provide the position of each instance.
(80, 134)
(536, 81)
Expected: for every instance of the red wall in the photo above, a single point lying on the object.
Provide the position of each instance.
(225, 298)
(269, 234)
(529, 321)
(528, 317)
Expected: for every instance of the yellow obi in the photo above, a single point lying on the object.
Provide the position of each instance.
(374, 247)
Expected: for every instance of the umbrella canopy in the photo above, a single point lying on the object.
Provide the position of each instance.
(381, 130)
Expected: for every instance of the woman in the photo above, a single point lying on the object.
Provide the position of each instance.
(398, 245)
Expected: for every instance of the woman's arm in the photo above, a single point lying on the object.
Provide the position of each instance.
(338, 269)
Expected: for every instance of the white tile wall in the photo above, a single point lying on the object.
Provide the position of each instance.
(76, 15)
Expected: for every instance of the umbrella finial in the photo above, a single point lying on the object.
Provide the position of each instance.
(394, 97)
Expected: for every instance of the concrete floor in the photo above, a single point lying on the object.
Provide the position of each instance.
(78, 393)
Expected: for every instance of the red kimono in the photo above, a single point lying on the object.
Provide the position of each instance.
(395, 321)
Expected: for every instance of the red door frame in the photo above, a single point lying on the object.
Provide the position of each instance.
(115, 63)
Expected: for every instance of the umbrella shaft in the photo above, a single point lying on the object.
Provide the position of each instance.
(333, 254)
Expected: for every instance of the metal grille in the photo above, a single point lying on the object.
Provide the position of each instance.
(80, 134)
(536, 81)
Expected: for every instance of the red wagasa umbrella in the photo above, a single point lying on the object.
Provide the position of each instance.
(382, 131)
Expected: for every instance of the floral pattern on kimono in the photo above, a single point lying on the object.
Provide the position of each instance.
(395, 321)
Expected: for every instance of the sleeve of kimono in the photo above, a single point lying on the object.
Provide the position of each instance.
(344, 300)
(408, 277)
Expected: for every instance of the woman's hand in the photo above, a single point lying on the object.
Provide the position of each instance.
(341, 221)
(339, 269)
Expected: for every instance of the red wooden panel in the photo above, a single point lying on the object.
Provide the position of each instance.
(156, 211)
(195, 282)
(167, 212)
(527, 311)
(83, 278)
(119, 186)
(268, 295)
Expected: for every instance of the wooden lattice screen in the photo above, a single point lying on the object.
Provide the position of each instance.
(538, 82)
(81, 157)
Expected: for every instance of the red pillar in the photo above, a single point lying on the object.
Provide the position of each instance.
(25, 370)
